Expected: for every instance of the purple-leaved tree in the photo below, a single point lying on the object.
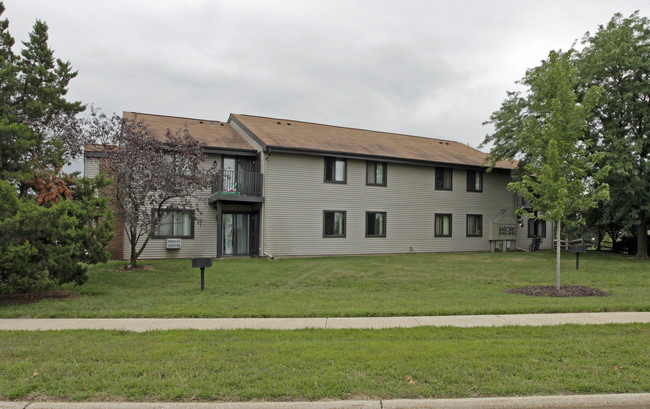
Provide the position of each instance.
(151, 177)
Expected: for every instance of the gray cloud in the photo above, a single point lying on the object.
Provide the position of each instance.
(431, 68)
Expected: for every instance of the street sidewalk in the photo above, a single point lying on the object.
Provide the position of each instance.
(466, 321)
(621, 401)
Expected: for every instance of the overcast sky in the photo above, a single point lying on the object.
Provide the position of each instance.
(428, 68)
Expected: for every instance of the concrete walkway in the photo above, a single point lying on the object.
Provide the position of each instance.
(622, 401)
(150, 324)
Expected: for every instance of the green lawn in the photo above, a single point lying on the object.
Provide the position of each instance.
(324, 364)
(421, 284)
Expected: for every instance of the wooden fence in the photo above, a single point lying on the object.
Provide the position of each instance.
(565, 244)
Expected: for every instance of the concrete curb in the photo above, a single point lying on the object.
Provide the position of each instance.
(464, 321)
(620, 401)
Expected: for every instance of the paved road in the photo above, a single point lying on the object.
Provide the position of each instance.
(149, 324)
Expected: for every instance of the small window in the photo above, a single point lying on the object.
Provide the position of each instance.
(333, 223)
(376, 173)
(174, 224)
(536, 228)
(443, 225)
(335, 170)
(474, 181)
(474, 225)
(443, 178)
(375, 224)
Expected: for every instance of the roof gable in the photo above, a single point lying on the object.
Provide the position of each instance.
(212, 133)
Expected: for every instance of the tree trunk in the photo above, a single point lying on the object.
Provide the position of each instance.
(642, 240)
(601, 234)
(557, 257)
(133, 261)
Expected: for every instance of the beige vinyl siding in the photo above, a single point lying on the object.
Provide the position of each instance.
(91, 167)
(204, 243)
(296, 197)
(252, 141)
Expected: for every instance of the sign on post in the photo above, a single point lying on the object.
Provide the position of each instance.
(202, 263)
(578, 248)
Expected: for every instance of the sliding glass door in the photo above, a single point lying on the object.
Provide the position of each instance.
(236, 229)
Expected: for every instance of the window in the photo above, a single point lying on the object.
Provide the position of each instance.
(443, 179)
(375, 224)
(474, 181)
(335, 170)
(536, 228)
(474, 225)
(333, 223)
(376, 173)
(443, 225)
(174, 223)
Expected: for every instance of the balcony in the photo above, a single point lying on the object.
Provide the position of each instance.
(523, 203)
(238, 186)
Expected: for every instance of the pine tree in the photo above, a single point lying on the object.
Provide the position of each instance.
(50, 222)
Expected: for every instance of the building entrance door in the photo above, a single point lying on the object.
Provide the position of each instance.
(239, 234)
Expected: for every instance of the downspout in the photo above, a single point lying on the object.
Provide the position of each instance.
(219, 229)
(263, 227)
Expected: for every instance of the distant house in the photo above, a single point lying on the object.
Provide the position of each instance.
(292, 188)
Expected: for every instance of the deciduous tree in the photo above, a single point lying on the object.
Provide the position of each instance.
(616, 58)
(151, 176)
(545, 128)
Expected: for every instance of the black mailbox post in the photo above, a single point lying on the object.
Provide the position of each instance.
(202, 263)
(578, 248)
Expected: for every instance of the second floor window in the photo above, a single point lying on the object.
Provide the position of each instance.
(443, 178)
(474, 181)
(335, 170)
(376, 173)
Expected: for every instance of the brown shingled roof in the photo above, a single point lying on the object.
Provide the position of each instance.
(296, 135)
(212, 133)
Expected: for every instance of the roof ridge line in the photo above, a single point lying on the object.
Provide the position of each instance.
(352, 128)
(173, 116)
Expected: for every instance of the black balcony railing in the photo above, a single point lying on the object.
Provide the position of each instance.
(239, 183)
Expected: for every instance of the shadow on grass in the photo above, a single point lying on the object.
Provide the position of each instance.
(31, 298)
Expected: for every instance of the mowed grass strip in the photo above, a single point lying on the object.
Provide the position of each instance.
(324, 364)
(396, 285)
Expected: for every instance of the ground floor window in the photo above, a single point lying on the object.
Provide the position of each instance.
(375, 224)
(174, 224)
(474, 225)
(536, 228)
(443, 225)
(334, 223)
